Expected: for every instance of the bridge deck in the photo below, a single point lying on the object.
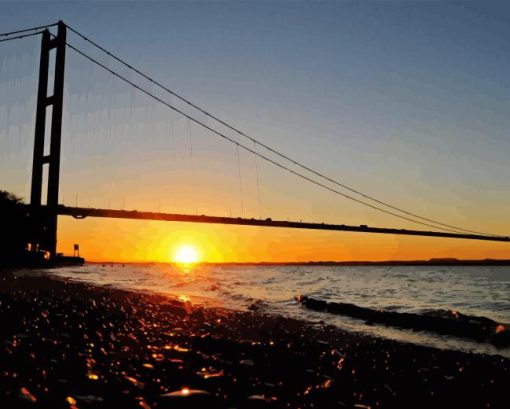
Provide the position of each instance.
(81, 212)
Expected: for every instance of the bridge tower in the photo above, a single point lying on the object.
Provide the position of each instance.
(44, 218)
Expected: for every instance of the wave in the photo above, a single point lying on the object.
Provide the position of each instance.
(445, 322)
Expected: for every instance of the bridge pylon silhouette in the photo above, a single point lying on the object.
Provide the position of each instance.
(44, 218)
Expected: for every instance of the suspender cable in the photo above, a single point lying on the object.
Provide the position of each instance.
(257, 177)
(240, 179)
(190, 139)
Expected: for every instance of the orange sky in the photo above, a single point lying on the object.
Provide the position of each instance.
(136, 240)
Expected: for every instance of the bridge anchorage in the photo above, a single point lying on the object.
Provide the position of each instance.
(44, 216)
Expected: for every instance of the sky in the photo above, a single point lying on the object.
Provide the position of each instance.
(405, 101)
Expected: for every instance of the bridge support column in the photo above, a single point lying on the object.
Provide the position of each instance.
(44, 220)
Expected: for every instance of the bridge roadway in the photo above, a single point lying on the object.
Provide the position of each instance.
(83, 212)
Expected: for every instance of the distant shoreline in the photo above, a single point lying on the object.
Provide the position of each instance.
(431, 262)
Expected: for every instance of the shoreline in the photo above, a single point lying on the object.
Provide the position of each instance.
(101, 346)
(393, 263)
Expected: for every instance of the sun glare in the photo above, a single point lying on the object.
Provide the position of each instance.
(186, 254)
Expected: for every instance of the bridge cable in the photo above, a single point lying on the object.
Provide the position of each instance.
(268, 147)
(21, 36)
(247, 148)
(253, 151)
(27, 29)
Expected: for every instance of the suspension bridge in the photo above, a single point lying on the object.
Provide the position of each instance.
(43, 217)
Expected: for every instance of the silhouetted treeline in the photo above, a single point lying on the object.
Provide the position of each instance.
(13, 228)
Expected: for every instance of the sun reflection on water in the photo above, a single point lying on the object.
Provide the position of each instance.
(186, 271)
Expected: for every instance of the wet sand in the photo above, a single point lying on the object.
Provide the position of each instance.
(74, 345)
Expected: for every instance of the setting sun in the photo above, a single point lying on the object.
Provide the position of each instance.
(186, 254)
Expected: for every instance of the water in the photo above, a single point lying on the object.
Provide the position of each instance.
(480, 291)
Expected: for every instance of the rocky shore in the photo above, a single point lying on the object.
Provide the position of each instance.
(73, 345)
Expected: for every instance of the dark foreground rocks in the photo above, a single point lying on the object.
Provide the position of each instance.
(70, 345)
